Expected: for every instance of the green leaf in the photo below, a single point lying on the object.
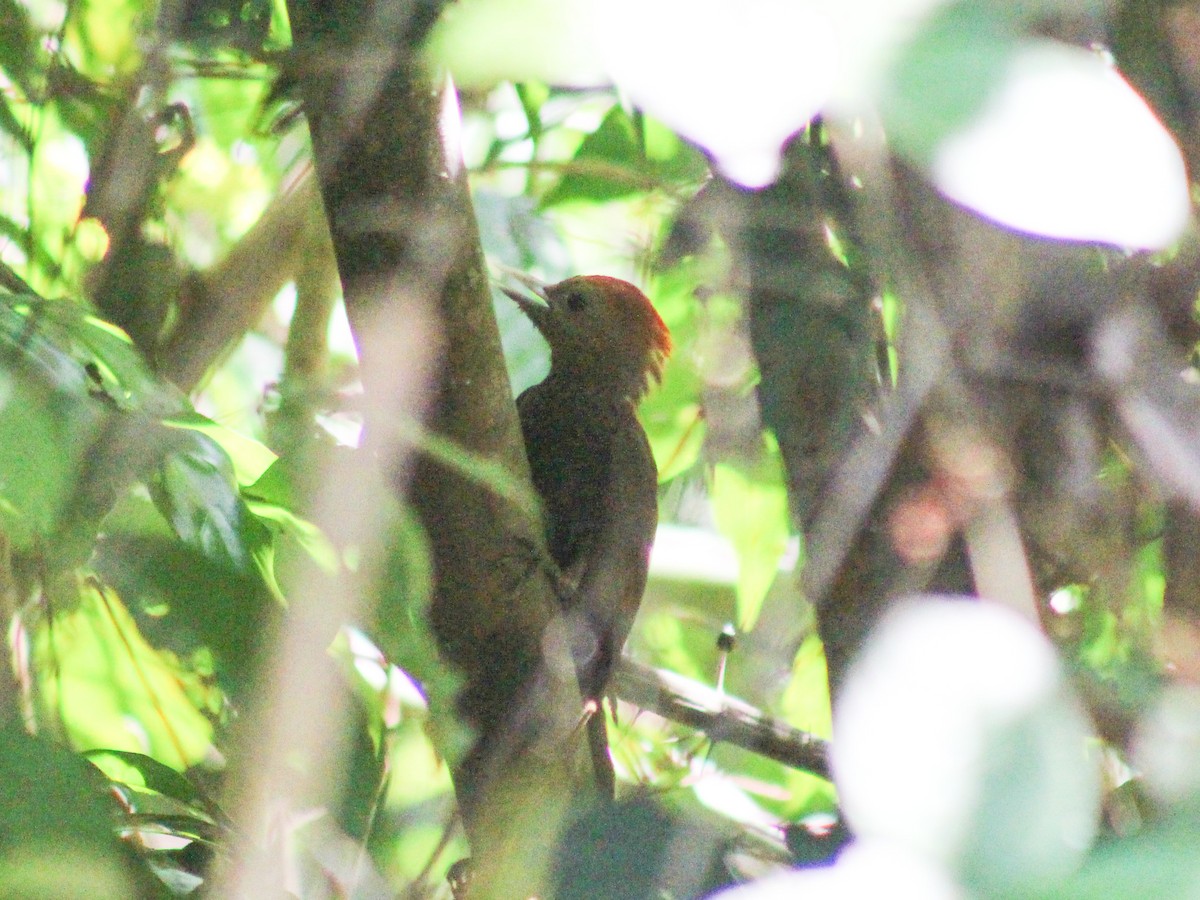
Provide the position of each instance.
(50, 793)
(751, 510)
(1157, 862)
(197, 492)
(110, 687)
(196, 607)
(50, 419)
(624, 156)
(250, 458)
(401, 629)
(149, 772)
(58, 827)
(307, 536)
(805, 701)
(608, 164)
(946, 75)
(18, 47)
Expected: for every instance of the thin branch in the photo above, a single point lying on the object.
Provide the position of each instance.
(723, 718)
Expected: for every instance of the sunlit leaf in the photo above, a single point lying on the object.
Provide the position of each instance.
(751, 510)
(103, 35)
(111, 688)
(805, 701)
(274, 497)
(195, 606)
(249, 457)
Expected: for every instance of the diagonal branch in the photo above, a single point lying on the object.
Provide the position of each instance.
(723, 718)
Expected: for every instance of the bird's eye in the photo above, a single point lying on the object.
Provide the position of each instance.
(575, 301)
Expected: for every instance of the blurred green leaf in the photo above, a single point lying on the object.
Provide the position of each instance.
(195, 606)
(18, 49)
(672, 413)
(626, 154)
(675, 161)
(402, 631)
(946, 74)
(1158, 862)
(274, 497)
(13, 127)
(485, 41)
(197, 493)
(57, 823)
(805, 700)
(533, 95)
(608, 164)
(751, 510)
(109, 686)
(50, 793)
(216, 24)
(51, 414)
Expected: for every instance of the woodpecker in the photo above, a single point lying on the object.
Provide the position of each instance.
(593, 468)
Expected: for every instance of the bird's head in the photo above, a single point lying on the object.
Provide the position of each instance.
(602, 330)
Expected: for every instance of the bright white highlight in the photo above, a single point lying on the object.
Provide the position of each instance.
(864, 869)
(736, 78)
(956, 736)
(1067, 149)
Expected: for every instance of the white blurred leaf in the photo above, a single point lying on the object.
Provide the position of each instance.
(1167, 748)
(1065, 148)
(864, 869)
(736, 78)
(957, 737)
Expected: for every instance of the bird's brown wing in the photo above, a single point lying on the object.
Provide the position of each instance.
(613, 578)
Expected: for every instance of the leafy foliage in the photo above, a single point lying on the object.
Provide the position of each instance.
(152, 545)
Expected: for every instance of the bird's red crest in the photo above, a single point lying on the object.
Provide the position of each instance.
(645, 318)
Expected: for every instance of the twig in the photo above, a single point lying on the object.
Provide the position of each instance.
(721, 717)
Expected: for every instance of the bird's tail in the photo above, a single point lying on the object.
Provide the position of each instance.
(602, 764)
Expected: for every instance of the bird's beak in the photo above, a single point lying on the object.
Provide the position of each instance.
(538, 312)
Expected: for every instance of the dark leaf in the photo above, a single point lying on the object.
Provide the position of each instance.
(155, 776)
(181, 599)
(57, 827)
(197, 492)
